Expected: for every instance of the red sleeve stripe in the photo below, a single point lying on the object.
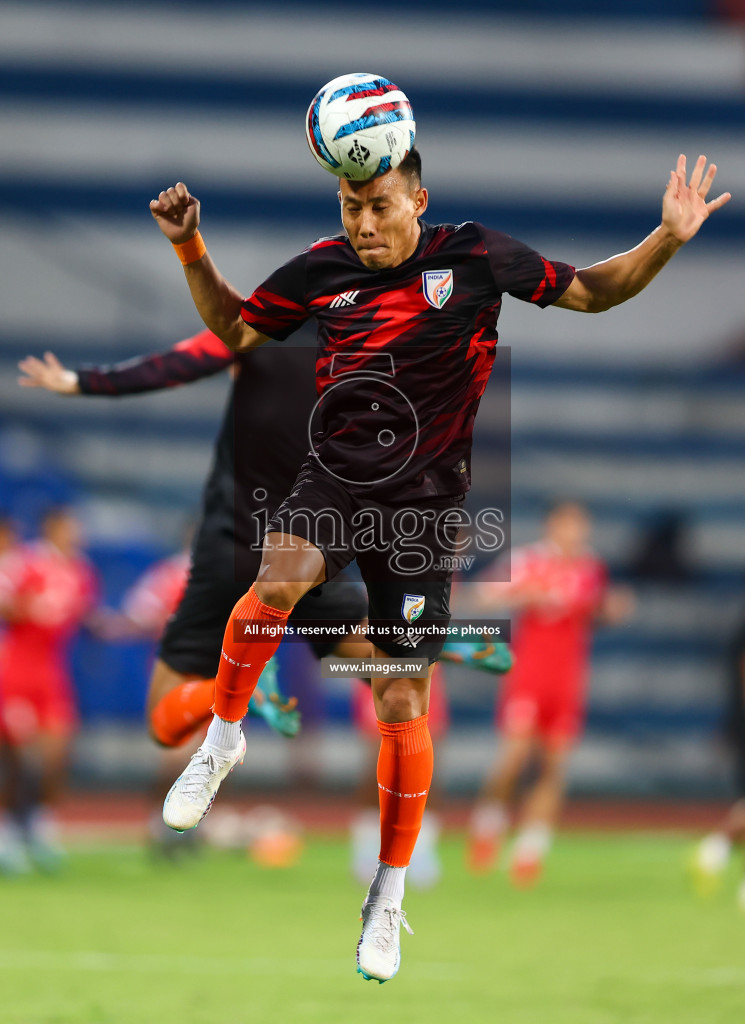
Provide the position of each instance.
(262, 298)
(205, 344)
(549, 280)
(539, 291)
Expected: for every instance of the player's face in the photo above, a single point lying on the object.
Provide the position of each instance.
(569, 527)
(381, 218)
(63, 530)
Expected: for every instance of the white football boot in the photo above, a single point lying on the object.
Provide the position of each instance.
(191, 795)
(379, 950)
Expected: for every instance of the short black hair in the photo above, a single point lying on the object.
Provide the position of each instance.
(411, 167)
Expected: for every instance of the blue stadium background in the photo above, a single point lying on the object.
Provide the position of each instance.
(558, 126)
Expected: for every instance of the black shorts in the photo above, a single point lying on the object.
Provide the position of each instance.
(192, 639)
(404, 554)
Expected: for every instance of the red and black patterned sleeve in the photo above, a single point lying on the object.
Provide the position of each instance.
(278, 306)
(189, 360)
(522, 271)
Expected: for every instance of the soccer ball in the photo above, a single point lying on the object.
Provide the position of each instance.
(360, 126)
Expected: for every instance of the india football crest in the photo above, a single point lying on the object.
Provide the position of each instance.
(412, 607)
(438, 286)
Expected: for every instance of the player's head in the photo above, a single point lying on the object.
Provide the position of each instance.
(381, 216)
(61, 527)
(568, 525)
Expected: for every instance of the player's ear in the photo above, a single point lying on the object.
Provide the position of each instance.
(421, 199)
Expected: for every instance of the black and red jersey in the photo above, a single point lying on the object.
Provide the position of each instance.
(404, 354)
(263, 439)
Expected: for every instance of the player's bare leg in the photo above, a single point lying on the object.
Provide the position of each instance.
(49, 756)
(304, 764)
(734, 825)
(268, 603)
(404, 777)
(490, 819)
(365, 825)
(13, 856)
(712, 854)
(541, 810)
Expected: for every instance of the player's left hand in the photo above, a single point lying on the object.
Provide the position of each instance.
(684, 205)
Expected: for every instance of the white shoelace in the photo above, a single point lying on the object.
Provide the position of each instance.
(199, 772)
(384, 926)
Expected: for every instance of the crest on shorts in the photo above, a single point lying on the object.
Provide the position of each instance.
(438, 286)
(412, 607)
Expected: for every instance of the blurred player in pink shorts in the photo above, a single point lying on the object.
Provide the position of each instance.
(559, 590)
(47, 590)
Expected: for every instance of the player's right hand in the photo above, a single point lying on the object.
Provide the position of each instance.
(176, 212)
(49, 374)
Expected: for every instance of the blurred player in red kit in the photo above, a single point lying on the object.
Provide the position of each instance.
(146, 608)
(47, 591)
(559, 590)
(153, 598)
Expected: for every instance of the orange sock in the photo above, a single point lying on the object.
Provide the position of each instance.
(242, 662)
(404, 777)
(178, 715)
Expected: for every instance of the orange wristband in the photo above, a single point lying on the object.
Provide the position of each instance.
(190, 251)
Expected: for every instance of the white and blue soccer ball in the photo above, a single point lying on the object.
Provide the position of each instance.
(360, 126)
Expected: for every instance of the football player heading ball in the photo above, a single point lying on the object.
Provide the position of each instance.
(373, 290)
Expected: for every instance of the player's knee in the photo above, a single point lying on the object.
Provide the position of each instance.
(279, 594)
(401, 701)
(554, 765)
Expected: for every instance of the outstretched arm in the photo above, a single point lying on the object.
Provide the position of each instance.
(218, 303)
(684, 209)
(187, 361)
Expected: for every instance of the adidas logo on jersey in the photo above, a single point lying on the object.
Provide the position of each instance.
(344, 299)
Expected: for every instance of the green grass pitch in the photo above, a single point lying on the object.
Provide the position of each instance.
(611, 935)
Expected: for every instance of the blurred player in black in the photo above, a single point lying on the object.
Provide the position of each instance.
(407, 317)
(245, 485)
